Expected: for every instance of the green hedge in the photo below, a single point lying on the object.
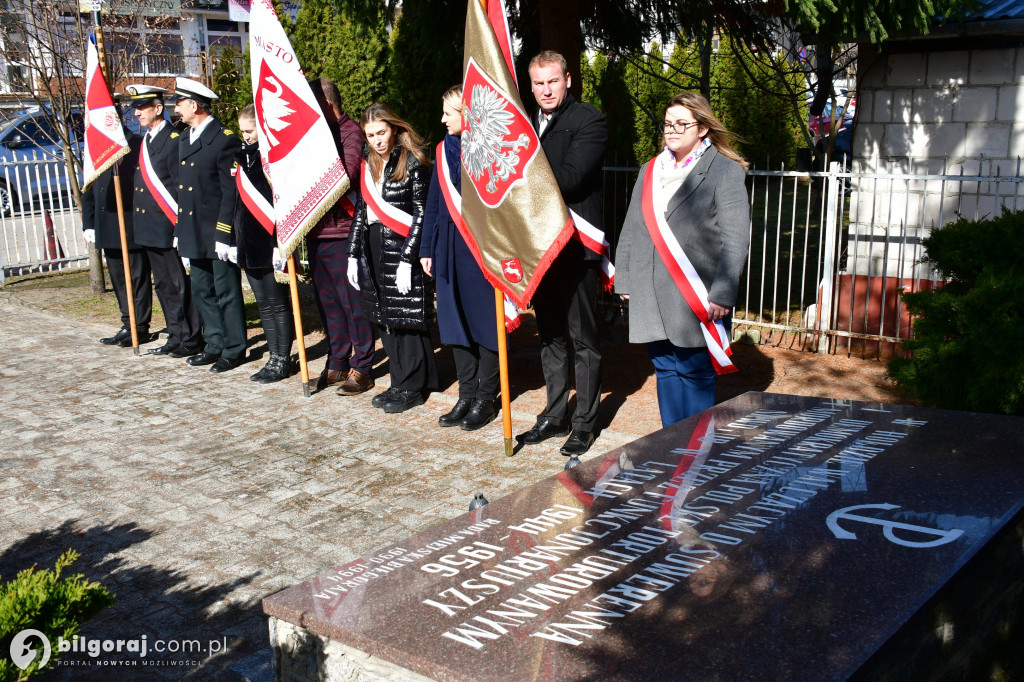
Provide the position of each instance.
(965, 353)
(42, 600)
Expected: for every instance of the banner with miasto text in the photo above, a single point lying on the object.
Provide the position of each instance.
(296, 143)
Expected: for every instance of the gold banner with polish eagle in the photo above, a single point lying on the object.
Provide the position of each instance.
(296, 143)
(511, 207)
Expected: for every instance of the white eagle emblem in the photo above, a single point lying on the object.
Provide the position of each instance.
(484, 147)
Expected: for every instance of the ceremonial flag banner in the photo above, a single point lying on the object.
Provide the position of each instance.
(296, 143)
(105, 142)
(516, 221)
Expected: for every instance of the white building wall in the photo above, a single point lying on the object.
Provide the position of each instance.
(934, 113)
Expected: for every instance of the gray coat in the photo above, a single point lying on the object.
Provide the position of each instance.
(709, 215)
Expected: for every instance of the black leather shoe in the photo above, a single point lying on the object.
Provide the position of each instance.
(542, 430)
(203, 358)
(381, 398)
(143, 338)
(184, 351)
(117, 338)
(481, 414)
(457, 413)
(165, 349)
(403, 400)
(224, 364)
(578, 443)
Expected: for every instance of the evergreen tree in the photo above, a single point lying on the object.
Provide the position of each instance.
(427, 60)
(351, 53)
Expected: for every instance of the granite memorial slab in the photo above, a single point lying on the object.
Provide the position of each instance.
(772, 537)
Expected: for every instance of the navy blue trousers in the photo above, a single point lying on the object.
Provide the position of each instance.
(686, 380)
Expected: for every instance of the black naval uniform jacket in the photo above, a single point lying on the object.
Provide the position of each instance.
(206, 191)
(99, 201)
(152, 228)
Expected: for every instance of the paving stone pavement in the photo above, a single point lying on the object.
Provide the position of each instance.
(193, 495)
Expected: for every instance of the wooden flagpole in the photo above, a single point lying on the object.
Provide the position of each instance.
(293, 285)
(506, 399)
(115, 170)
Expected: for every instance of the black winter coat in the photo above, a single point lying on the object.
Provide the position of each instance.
(574, 141)
(255, 244)
(382, 302)
(99, 201)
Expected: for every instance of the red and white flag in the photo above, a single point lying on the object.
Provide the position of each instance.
(296, 143)
(105, 141)
(516, 220)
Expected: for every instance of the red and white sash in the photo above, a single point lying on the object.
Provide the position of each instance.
(453, 200)
(164, 199)
(593, 239)
(685, 276)
(254, 200)
(393, 218)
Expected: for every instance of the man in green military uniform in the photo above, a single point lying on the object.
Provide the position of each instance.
(206, 207)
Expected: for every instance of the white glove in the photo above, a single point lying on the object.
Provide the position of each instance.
(90, 236)
(186, 263)
(403, 279)
(353, 273)
(278, 261)
(175, 243)
(222, 250)
(233, 254)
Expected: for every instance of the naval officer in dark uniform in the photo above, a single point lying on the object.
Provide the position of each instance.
(206, 209)
(154, 215)
(100, 227)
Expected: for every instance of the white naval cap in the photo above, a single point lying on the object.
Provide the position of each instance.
(186, 88)
(141, 94)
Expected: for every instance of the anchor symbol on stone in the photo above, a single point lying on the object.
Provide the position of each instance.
(941, 536)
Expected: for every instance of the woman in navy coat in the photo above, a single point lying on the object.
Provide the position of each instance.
(465, 299)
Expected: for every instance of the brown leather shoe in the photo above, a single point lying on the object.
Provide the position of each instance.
(358, 382)
(330, 377)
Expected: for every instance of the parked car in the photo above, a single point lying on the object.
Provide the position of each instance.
(29, 138)
(821, 126)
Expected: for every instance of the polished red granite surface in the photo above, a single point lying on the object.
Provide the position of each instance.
(772, 537)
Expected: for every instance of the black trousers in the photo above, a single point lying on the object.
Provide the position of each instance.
(217, 294)
(410, 359)
(173, 290)
(477, 369)
(142, 286)
(275, 306)
(566, 301)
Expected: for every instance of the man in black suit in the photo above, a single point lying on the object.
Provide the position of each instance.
(154, 215)
(206, 208)
(574, 136)
(100, 227)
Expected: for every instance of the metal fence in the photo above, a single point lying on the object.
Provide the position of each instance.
(831, 252)
(40, 227)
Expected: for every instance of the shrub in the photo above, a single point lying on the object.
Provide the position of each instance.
(44, 601)
(965, 333)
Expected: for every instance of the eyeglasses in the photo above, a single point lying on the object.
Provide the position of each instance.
(678, 126)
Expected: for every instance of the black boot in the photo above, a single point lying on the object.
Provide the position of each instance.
(457, 413)
(262, 370)
(276, 369)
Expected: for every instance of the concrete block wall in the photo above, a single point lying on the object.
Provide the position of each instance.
(933, 113)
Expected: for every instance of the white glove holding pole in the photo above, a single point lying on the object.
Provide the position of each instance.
(222, 250)
(353, 273)
(233, 254)
(89, 236)
(175, 243)
(186, 263)
(403, 278)
(278, 261)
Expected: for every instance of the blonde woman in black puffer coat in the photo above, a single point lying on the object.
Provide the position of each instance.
(384, 254)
